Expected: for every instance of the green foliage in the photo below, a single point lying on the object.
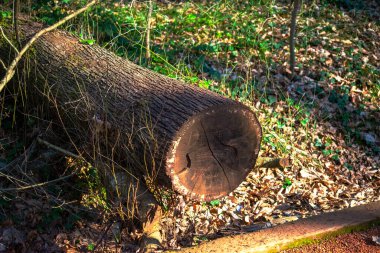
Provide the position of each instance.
(95, 193)
(304, 121)
(215, 202)
(6, 14)
(318, 143)
(287, 182)
(87, 41)
(91, 247)
(348, 166)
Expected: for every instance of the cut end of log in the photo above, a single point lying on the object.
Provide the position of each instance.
(214, 151)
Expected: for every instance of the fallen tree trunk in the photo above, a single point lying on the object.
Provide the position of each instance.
(201, 144)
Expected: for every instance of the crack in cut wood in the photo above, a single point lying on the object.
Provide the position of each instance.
(188, 160)
(216, 159)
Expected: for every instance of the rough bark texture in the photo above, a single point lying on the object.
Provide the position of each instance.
(200, 143)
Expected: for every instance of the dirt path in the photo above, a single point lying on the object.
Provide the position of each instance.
(355, 242)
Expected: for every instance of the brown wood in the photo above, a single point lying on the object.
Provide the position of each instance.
(200, 143)
(269, 162)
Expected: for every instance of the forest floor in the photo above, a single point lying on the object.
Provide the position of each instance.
(327, 120)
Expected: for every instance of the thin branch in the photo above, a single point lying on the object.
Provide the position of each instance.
(52, 146)
(8, 40)
(293, 27)
(37, 185)
(3, 65)
(63, 151)
(11, 70)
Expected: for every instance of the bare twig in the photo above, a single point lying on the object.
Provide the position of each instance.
(148, 28)
(37, 185)
(59, 149)
(52, 146)
(7, 40)
(3, 65)
(11, 69)
(293, 26)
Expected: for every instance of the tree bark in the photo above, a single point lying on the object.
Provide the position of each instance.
(200, 143)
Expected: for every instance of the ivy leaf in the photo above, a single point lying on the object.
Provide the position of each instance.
(5, 14)
(304, 121)
(204, 84)
(91, 247)
(287, 182)
(326, 152)
(272, 99)
(318, 143)
(348, 166)
(215, 202)
(191, 17)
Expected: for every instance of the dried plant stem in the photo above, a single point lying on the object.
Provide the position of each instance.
(38, 185)
(52, 146)
(12, 68)
(148, 28)
(61, 150)
(3, 65)
(7, 40)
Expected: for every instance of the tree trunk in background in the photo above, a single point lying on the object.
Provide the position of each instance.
(196, 141)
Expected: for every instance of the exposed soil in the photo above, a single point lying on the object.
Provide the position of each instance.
(355, 242)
